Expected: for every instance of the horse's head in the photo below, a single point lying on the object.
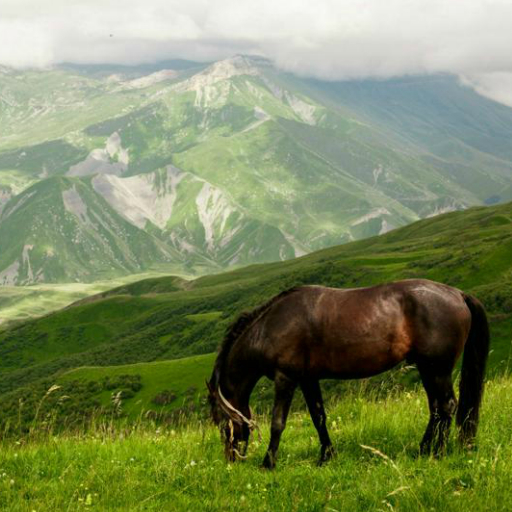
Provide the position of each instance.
(234, 426)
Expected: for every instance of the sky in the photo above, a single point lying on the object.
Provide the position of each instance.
(327, 39)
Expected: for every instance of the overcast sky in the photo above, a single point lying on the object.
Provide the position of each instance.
(332, 39)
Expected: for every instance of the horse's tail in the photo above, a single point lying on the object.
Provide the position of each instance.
(474, 361)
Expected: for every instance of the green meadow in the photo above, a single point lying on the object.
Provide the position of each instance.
(143, 466)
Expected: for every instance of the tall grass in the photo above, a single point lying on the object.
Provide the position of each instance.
(142, 466)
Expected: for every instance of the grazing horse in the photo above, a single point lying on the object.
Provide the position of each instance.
(310, 333)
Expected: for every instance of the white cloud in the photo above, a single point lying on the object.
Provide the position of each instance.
(497, 85)
(333, 39)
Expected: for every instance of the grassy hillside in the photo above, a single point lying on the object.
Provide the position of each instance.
(61, 230)
(160, 390)
(165, 385)
(169, 318)
(139, 467)
(22, 303)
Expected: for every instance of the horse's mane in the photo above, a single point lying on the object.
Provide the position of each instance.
(240, 326)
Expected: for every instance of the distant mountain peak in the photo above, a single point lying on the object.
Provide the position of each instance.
(225, 69)
(148, 80)
(213, 84)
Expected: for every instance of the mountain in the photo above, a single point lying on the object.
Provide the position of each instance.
(106, 171)
(169, 317)
(79, 233)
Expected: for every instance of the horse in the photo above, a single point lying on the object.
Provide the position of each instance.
(309, 333)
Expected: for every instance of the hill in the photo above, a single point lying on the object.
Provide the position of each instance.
(222, 165)
(21, 303)
(164, 385)
(169, 318)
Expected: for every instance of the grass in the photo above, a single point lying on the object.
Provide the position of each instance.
(21, 303)
(184, 378)
(141, 467)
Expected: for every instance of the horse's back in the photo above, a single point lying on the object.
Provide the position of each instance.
(357, 332)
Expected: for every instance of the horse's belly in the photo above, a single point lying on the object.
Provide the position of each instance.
(359, 360)
(358, 370)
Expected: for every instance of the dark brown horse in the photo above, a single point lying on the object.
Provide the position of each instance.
(312, 332)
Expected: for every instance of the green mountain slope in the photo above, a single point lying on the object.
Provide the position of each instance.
(78, 234)
(168, 318)
(235, 162)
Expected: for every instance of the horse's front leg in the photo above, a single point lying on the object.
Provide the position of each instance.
(284, 389)
(246, 433)
(313, 395)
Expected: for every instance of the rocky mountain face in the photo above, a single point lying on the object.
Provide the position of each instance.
(107, 170)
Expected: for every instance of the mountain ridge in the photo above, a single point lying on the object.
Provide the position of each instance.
(261, 165)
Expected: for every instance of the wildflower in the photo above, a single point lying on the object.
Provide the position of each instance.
(193, 463)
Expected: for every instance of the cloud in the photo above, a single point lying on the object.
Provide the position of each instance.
(330, 39)
(497, 85)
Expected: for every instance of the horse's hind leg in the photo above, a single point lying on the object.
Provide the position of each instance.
(313, 395)
(284, 389)
(442, 404)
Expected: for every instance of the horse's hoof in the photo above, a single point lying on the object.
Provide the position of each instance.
(323, 460)
(268, 463)
(425, 451)
(327, 455)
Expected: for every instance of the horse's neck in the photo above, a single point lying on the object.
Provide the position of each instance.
(237, 383)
